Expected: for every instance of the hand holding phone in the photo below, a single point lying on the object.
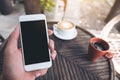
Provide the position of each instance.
(34, 42)
(13, 65)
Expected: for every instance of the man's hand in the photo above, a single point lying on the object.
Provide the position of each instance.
(13, 66)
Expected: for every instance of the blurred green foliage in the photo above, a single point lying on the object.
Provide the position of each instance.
(47, 5)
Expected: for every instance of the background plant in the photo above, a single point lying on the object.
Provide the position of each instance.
(47, 5)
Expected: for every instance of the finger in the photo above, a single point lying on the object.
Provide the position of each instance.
(30, 75)
(43, 71)
(53, 51)
(20, 50)
(40, 72)
(50, 32)
(13, 39)
(51, 45)
(53, 55)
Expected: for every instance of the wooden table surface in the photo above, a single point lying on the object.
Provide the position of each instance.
(72, 63)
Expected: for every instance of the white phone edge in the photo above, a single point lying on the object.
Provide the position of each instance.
(36, 66)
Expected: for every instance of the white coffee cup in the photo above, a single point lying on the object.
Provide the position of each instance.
(65, 29)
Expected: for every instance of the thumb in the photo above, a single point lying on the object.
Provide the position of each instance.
(13, 39)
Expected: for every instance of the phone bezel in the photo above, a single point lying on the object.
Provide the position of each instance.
(35, 66)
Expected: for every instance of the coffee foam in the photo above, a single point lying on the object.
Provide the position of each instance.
(65, 25)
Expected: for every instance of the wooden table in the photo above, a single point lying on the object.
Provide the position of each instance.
(72, 63)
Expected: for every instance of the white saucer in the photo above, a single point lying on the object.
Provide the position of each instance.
(65, 37)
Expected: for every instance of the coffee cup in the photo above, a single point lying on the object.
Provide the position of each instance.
(98, 48)
(65, 30)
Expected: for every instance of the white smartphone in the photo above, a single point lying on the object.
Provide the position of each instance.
(34, 42)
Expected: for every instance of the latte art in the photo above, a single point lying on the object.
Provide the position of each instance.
(65, 30)
(65, 25)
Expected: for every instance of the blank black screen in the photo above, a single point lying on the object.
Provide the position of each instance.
(34, 40)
